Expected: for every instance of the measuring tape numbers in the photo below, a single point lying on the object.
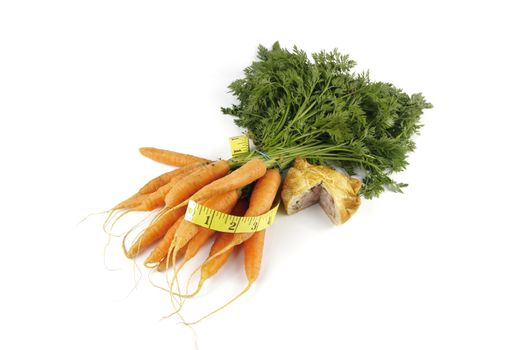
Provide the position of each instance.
(222, 222)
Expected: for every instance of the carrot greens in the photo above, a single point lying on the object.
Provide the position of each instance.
(321, 110)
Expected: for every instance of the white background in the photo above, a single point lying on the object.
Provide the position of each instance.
(83, 84)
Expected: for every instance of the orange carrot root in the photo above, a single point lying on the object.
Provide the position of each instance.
(211, 266)
(246, 174)
(223, 204)
(155, 231)
(161, 250)
(170, 157)
(195, 181)
(261, 200)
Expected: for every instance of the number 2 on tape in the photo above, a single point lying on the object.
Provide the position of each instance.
(215, 220)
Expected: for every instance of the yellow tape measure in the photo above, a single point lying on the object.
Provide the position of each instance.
(239, 145)
(222, 222)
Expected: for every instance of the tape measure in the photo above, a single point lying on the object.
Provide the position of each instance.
(239, 145)
(222, 222)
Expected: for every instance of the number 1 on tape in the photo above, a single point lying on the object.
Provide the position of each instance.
(218, 221)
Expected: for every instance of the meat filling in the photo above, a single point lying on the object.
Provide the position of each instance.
(307, 199)
(327, 203)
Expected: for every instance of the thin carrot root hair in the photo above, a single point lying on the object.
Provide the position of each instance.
(154, 284)
(164, 264)
(112, 224)
(104, 254)
(155, 267)
(126, 210)
(159, 215)
(196, 291)
(108, 219)
(136, 281)
(124, 248)
(174, 280)
(134, 227)
(92, 214)
(221, 307)
(125, 235)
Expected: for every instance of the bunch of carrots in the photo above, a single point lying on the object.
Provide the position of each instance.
(214, 184)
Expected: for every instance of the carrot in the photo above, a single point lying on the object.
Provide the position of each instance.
(204, 233)
(151, 201)
(163, 179)
(210, 267)
(153, 185)
(170, 157)
(183, 189)
(166, 263)
(156, 199)
(246, 174)
(160, 180)
(182, 227)
(261, 201)
(131, 202)
(155, 231)
(160, 252)
(188, 230)
(253, 250)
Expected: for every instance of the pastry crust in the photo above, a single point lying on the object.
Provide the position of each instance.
(307, 184)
